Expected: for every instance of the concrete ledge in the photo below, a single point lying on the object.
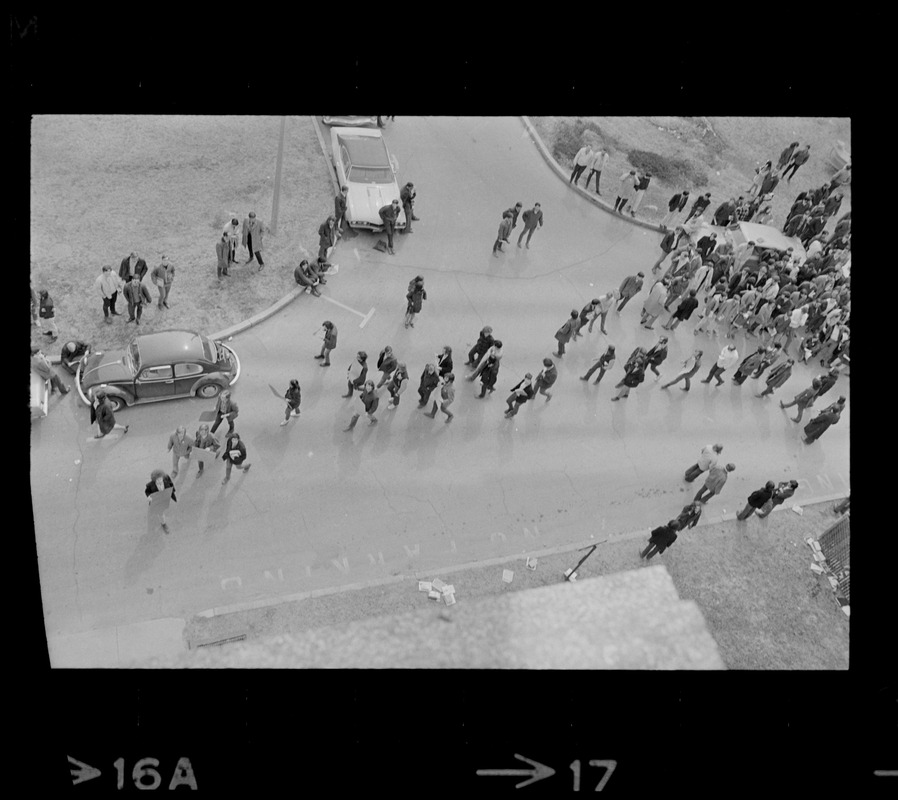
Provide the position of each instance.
(559, 171)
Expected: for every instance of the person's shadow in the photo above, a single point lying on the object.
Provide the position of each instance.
(149, 548)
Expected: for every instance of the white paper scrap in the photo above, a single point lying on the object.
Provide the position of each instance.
(437, 584)
(532, 562)
(450, 599)
(434, 595)
(507, 575)
(448, 589)
(798, 510)
(424, 586)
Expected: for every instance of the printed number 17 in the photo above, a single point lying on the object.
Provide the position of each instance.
(607, 764)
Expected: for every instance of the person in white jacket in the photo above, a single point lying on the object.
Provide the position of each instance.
(596, 164)
(108, 285)
(580, 162)
(728, 358)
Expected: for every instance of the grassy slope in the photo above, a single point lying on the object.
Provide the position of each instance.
(105, 185)
(735, 148)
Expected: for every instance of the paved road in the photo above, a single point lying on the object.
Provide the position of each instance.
(324, 508)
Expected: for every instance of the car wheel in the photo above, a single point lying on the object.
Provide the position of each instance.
(116, 402)
(209, 390)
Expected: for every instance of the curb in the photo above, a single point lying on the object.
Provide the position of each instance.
(249, 605)
(559, 171)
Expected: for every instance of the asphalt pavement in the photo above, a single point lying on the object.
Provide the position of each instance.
(322, 508)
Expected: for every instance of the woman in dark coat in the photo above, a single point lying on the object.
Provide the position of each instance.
(101, 412)
(159, 481)
(662, 537)
(444, 361)
(234, 454)
(370, 401)
(566, 331)
(386, 363)
(430, 379)
(293, 396)
(777, 377)
(829, 416)
(415, 296)
(635, 375)
(397, 385)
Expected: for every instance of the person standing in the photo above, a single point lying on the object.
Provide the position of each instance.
(108, 285)
(600, 312)
(72, 353)
(340, 208)
(370, 401)
(674, 206)
(654, 303)
(407, 195)
(330, 342)
(768, 184)
(131, 266)
(786, 156)
(566, 332)
(356, 373)
(520, 394)
(253, 231)
(596, 164)
(821, 423)
(388, 215)
(580, 162)
(514, 211)
(699, 206)
(481, 347)
(415, 296)
(447, 395)
(804, 399)
(163, 276)
(717, 477)
(137, 295)
(799, 157)
(603, 363)
(232, 234)
(641, 187)
(159, 482)
(444, 361)
(725, 211)
(180, 446)
(41, 365)
(386, 363)
(397, 384)
(505, 227)
(293, 396)
(546, 378)
(327, 236)
(690, 366)
(48, 314)
(629, 288)
(727, 359)
(35, 309)
(783, 492)
(706, 245)
(101, 412)
(223, 255)
(532, 218)
(430, 379)
(234, 455)
(683, 311)
(626, 191)
(756, 500)
(777, 377)
(706, 459)
(840, 179)
(204, 440)
(655, 355)
(488, 370)
(661, 538)
(634, 376)
(225, 408)
(760, 173)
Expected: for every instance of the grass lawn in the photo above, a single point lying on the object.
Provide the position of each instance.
(726, 155)
(102, 186)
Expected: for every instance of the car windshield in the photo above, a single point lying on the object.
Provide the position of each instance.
(131, 358)
(370, 175)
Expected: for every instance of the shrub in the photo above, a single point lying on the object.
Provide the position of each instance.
(674, 171)
(571, 136)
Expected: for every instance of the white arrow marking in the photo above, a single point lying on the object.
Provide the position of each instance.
(356, 251)
(338, 303)
(541, 771)
(882, 773)
(367, 318)
(84, 772)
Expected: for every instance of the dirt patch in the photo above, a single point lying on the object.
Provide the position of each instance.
(102, 186)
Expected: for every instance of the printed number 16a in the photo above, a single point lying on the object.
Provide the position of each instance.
(607, 764)
(146, 777)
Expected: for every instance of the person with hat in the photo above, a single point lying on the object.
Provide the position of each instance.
(225, 408)
(532, 218)
(407, 196)
(327, 236)
(232, 236)
(234, 455)
(223, 255)
(108, 285)
(415, 296)
(388, 215)
(293, 396)
(756, 500)
(72, 353)
(330, 342)
(101, 412)
(629, 288)
(159, 482)
(717, 477)
(356, 373)
(41, 365)
(690, 366)
(137, 295)
(674, 206)
(251, 238)
(660, 539)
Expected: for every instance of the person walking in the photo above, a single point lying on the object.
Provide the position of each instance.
(756, 500)
(340, 208)
(481, 347)
(444, 361)
(655, 356)
(108, 285)
(580, 162)
(370, 400)
(327, 236)
(48, 314)
(706, 459)
(137, 295)
(699, 206)
(430, 379)
(629, 288)
(489, 370)
(804, 399)
(293, 396)
(505, 227)
(407, 196)
(600, 311)
(725, 211)
(386, 363)
(627, 190)
(821, 423)
(760, 173)
(101, 412)
(774, 356)
(566, 332)
(389, 214)
(635, 375)
(596, 164)
(674, 206)
(668, 245)
(330, 342)
(660, 539)
(546, 378)
(798, 158)
(234, 455)
(717, 477)
(642, 185)
(840, 179)
(690, 366)
(727, 359)
(223, 255)
(521, 392)
(584, 319)
(204, 440)
(415, 296)
(532, 218)
(356, 373)
(828, 380)
(159, 482)
(689, 516)
(41, 365)
(72, 353)
(602, 363)
(786, 156)
(783, 492)
(447, 395)
(397, 384)
(225, 408)
(251, 238)
(749, 364)
(132, 265)
(777, 377)
(180, 446)
(654, 303)
(163, 276)
(683, 311)
(705, 246)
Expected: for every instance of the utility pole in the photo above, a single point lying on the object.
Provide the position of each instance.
(277, 179)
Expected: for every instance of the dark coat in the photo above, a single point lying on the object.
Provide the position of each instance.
(46, 307)
(231, 444)
(407, 197)
(137, 295)
(630, 286)
(700, 205)
(222, 249)
(415, 297)
(677, 202)
(687, 306)
(817, 426)
(327, 235)
(339, 206)
(547, 377)
(514, 211)
(655, 355)
(758, 498)
(705, 245)
(370, 400)
(505, 229)
(669, 241)
(527, 392)
(532, 217)
(232, 411)
(564, 333)
(385, 363)
(826, 383)
(359, 382)
(207, 442)
(724, 212)
(634, 377)
(152, 488)
(769, 184)
(330, 337)
(104, 416)
(388, 216)
(490, 372)
(689, 517)
(139, 269)
(254, 228)
(444, 364)
(293, 396)
(429, 381)
(663, 537)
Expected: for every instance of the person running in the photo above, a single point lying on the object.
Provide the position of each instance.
(603, 363)
(234, 455)
(717, 477)
(690, 366)
(447, 395)
(370, 401)
(159, 482)
(661, 538)
(293, 396)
